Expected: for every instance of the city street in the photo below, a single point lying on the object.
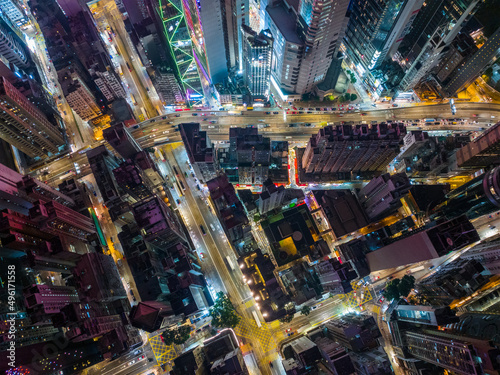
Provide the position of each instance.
(143, 94)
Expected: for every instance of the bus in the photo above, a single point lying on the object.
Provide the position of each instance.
(430, 120)
(229, 263)
(257, 320)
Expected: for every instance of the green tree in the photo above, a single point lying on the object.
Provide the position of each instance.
(177, 335)
(353, 80)
(391, 290)
(354, 97)
(223, 313)
(306, 310)
(287, 318)
(256, 217)
(406, 285)
(341, 99)
(347, 96)
(399, 287)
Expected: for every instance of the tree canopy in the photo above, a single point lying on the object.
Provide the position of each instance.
(177, 335)
(399, 287)
(287, 318)
(223, 313)
(306, 310)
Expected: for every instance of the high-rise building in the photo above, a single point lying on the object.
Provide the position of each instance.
(435, 28)
(102, 163)
(119, 137)
(257, 55)
(216, 32)
(108, 84)
(383, 194)
(305, 44)
(456, 348)
(428, 244)
(25, 126)
(177, 25)
(13, 12)
(288, 49)
(13, 48)
(158, 223)
(322, 24)
(199, 150)
(128, 176)
(247, 160)
(479, 196)
(45, 300)
(475, 65)
(374, 32)
(349, 152)
(272, 197)
(355, 332)
(80, 98)
(483, 151)
(98, 279)
(61, 220)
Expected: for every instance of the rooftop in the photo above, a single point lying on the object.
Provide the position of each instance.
(285, 21)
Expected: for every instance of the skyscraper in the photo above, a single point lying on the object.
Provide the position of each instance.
(479, 196)
(25, 126)
(257, 55)
(473, 67)
(435, 28)
(374, 32)
(322, 24)
(173, 24)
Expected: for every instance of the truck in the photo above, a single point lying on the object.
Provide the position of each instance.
(429, 120)
(229, 263)
(415, 269)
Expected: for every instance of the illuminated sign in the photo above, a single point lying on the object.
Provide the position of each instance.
(375, 57)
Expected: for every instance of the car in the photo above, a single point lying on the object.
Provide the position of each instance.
(301, 112)
(198, 187)
(131, 362)
(177, 115)
(205, 119)
(492, 226)
(288, 330)
(213, 122)
(395, 105)
(314, 307)
(268, 113)
(318, 109)
(194, 114)
(307, 124)
(202, 230)
(275, 113)
(325, 109)
(202, 255)
(271, 364)
(163, 117)
(178, 201)
(431, 267)
(153, 120)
